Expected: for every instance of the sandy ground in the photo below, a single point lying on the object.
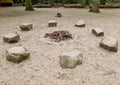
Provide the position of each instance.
(100, 67)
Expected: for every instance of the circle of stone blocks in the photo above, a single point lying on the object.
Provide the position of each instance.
(17, 54)
(26, 26)
(71, 59)
(59, 15)
(11, 37)
(98, 32)
(109, 43)
(80, 23)
(52, 24)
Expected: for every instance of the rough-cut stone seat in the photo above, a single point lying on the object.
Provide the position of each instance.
(17, 54)
(11, 37)
(59, 15)
(98, 32)
(52, 23)
(26, 26)
(71, 59)
(80, 23)
(109, 43)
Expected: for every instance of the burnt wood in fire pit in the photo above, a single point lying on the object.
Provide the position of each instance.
(59, 35)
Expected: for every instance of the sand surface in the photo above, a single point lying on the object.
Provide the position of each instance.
(100, 67)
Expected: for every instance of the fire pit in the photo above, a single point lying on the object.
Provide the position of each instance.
(58, 36)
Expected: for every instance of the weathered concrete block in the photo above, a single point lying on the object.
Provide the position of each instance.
(109, 43)
(52, 24)
(26, 26)
(80, 23)
(98, 32)
(17, 54)
(11, 37)
(71, 59)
